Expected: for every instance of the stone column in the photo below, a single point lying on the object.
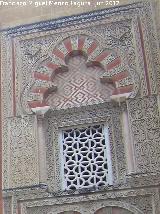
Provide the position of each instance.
(40, 111)
(41, 149)
(128, 142)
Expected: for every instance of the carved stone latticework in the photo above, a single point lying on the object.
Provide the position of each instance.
(106, 113)
(85, 157)
(65, 80)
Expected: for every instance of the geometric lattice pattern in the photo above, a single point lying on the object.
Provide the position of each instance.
(86, 157)
(79, 86)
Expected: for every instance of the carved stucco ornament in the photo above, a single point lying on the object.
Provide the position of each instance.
(56, 63)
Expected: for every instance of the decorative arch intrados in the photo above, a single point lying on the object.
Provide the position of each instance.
(57, 63)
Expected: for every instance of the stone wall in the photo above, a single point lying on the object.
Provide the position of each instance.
(120, 45)
(15, 15)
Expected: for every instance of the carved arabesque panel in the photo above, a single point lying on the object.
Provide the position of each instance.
(145, 126)
(23, 155)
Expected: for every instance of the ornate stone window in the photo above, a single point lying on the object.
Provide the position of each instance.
(85, 154)
(62, 125)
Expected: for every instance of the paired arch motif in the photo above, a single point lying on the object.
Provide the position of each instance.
(110, 208)
(109, 60)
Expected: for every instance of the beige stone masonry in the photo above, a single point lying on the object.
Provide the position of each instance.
(17, 15)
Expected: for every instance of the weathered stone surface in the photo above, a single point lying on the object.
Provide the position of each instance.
(46, 64)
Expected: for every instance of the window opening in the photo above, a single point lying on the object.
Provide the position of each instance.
(86, 159)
